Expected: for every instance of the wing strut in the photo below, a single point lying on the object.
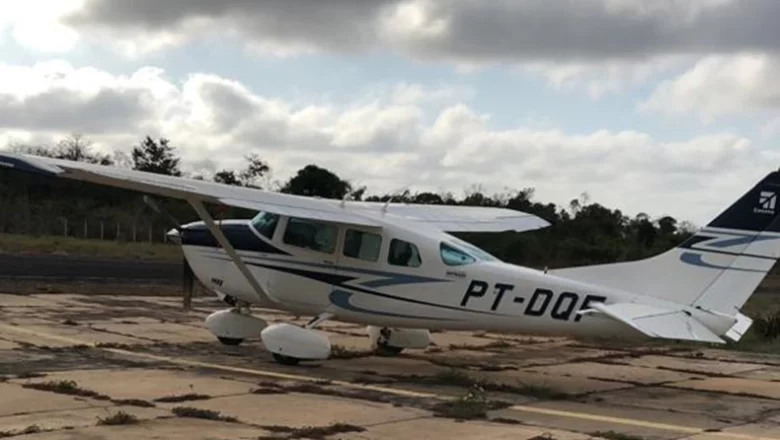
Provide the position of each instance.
(223, 241)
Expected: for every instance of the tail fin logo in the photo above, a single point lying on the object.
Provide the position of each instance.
(767, 202)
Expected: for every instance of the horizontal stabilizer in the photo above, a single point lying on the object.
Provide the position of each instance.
(657, 322)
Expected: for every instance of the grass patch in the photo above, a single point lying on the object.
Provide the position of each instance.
(134, 402)
(341, 352)
(182, 398)
(506, 421)
(118, 345)
(69, 387)
(32, 429)
(29, 375)
(265, 390)
(118, 418)
(473, 405)
(312, 432)
(614, 435)
(501, 343)
(25, 244)
(198, 413)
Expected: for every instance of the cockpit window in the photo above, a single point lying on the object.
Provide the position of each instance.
(265, 223)
(403, 253)
(452, 256)
(309, 234)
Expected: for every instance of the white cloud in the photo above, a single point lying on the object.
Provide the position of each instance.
(384, 142)
(720, 85)
(468, 32)
(37, 24)
(598, 78)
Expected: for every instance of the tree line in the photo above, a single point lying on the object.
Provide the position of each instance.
(583, 232)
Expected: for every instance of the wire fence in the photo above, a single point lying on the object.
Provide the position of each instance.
(89, 228)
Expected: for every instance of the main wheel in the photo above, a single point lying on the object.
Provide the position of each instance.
(285, 360)
(385, 350)
(230, 341)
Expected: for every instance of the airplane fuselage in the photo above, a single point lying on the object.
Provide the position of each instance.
(363, 275)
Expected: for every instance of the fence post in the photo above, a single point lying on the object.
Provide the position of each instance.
(102, 235)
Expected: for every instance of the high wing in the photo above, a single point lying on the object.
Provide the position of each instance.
(456, 218)
(369, 214)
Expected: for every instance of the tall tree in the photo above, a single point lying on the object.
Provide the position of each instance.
(227, 177)
(255, 170)
(314, 181)
(156, 157)
(74, 147)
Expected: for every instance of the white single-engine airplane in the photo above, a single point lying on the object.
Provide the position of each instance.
(396, 269)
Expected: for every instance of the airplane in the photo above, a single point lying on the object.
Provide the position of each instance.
(397, 269)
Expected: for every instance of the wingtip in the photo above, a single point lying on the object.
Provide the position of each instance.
(30, 164)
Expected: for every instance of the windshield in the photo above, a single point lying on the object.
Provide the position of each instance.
(476, 252)
(459, 253)
(265, 223)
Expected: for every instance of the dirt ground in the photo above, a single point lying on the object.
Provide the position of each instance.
(141, 367)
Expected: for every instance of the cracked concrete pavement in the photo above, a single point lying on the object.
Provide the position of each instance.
(146, 356)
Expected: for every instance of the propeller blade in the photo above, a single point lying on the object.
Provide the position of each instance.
(175, 224)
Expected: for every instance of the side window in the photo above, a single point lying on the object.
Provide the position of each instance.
(265, 223)
(452, 256)
(309, 234)
(362, 245)
(403, 253)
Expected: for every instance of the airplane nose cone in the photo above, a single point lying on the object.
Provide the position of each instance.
(174, 236)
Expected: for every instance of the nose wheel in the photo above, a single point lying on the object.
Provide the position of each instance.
(290, 344)
(230, 341)
(285, 360)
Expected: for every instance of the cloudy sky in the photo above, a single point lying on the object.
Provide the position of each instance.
(663, 106)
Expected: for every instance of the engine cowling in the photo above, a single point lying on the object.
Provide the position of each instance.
(233, 324)
(296, 342)
(399, 337)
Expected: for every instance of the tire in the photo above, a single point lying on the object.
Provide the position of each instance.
(385, 350)
(285, 360)
(230, 341)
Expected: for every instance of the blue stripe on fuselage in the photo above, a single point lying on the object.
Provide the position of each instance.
(240, 237)
(325, 277)
(341, 298)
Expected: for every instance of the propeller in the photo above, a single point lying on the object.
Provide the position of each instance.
(174, 223)
(188, 277)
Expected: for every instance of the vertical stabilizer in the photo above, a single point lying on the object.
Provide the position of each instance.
(718, 268)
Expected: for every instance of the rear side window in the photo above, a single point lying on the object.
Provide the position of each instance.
(362, 245)
(403, 253)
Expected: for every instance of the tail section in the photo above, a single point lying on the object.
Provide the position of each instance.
(717, 269)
